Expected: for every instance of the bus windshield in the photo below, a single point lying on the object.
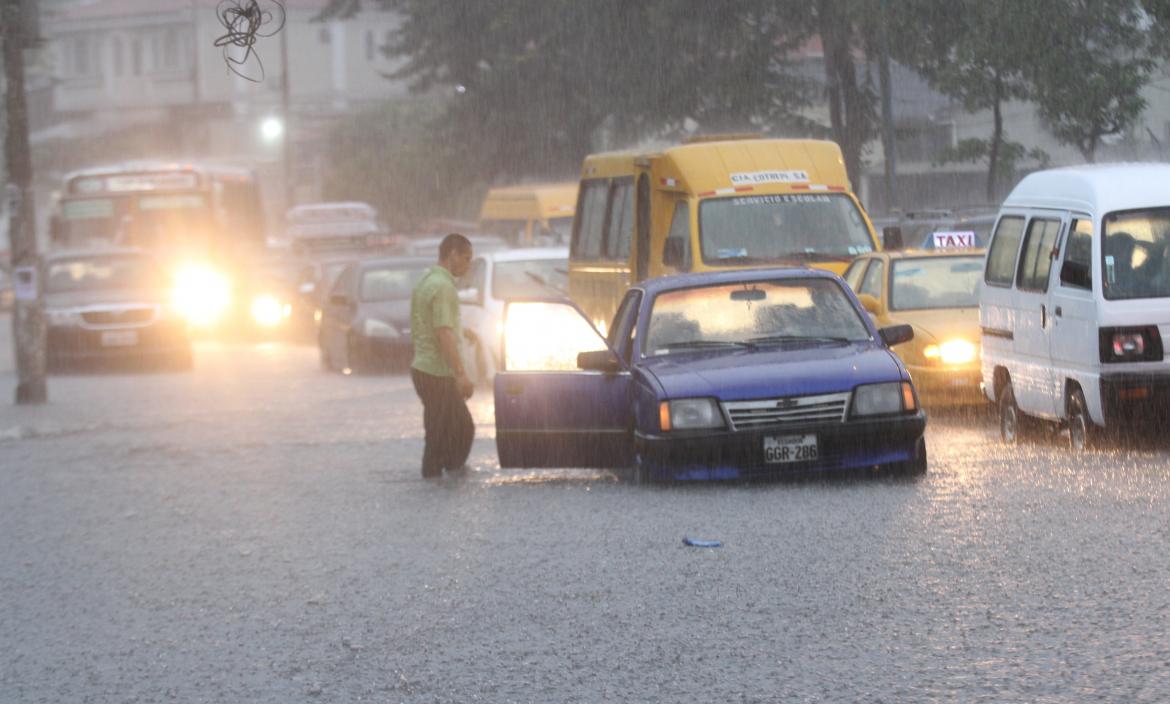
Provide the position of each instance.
(803, 227)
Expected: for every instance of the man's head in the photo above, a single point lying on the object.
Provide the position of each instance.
(455, 254)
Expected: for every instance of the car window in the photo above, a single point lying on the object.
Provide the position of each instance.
(100, 273)
(530, 279)
(1001, 259)
(1078, 255)
(935, 282)
(872, 283)
(1036, 261)
(621, 333)
(854, 272)
(344, 284)
(389, 284)
(1136, 264)
(760, 312)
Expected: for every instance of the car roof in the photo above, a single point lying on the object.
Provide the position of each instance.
(707, 278)
(526, 253)
(1098, 188)
(915, 253)
(396, 263)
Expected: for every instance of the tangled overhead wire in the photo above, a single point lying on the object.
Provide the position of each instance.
(245, 22)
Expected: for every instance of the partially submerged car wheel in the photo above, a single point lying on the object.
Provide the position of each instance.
(1082, 434)
(917, 466)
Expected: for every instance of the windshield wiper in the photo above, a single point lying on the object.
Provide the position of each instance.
(779, 339)
(704, 344)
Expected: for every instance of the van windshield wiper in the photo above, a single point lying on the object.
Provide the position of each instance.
(781, 339)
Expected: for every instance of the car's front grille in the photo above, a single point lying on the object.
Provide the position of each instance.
(114, 317)
(745, 415)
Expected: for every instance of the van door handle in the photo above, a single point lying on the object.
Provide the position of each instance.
(1057, 312)
(1043, 316)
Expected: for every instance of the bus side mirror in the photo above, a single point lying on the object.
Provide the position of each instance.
(672, 252)
(892, 238)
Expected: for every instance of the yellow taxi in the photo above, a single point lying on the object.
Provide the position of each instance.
(936, 292)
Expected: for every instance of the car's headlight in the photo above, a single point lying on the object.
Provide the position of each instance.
(377, 328)
(951, 352)
(63, 317)
(201, 294)
(269, 312)
(690, 413)
(884, 399)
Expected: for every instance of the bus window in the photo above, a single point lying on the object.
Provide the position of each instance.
(590, 223)
(621, 219)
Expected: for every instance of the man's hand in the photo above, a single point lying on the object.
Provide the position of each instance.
(466, 388)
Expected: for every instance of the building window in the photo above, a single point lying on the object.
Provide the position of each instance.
(136, 57)
(118, 59)
(170, 51)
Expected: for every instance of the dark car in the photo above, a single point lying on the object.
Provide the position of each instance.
(112, 306)
(719, 375)
(365, 322)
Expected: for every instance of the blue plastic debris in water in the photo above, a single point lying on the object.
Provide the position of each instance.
(696, 543)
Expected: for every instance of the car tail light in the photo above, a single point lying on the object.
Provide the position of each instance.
(1130, 344)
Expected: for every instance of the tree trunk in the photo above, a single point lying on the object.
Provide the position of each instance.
(846, 106)
(996, 141)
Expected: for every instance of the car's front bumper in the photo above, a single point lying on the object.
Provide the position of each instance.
(722, 454)
(948, 386)
(73, 344)
(382, 354)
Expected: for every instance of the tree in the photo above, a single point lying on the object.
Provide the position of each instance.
(976, 52)
(1090, 68)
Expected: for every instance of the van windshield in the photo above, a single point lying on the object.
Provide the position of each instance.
(1135, 257)
(802, 227)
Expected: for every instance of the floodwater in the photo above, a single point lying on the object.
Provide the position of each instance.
(256, 530)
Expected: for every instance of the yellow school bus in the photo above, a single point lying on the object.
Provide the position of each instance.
(527, 215)
(708, 205)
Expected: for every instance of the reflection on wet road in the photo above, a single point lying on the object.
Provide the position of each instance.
(257, 531)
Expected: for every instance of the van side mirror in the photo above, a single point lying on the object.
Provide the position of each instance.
(599, 361)
(1075, 274)
(896, 334)
(892, 238)
(672, 252)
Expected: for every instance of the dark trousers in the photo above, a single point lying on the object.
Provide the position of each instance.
(448, 424)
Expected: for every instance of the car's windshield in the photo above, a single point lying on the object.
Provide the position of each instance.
(935, 282)
(103, 272)
(753, 313)
(389, 284)
(782, 227)
(526, 279)
(1134, 251)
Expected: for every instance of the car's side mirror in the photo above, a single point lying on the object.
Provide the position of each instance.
(341, 300)
(469, 295)
(1075, 274)
(672, 252)
(892, 238)
(599, 361)
(870, 303)
(896, 334)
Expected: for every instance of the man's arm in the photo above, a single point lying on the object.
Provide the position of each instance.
(449, 348)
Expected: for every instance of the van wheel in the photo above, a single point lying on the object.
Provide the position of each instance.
(1081, 431)
(1010, 419)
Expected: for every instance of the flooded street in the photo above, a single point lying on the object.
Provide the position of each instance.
(257, 531)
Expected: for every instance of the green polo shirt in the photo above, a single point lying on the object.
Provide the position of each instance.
(433, 305)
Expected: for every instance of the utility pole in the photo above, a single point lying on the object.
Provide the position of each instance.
(889, 144)
(17, 24)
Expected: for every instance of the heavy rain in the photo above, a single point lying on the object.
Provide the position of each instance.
(812, 351)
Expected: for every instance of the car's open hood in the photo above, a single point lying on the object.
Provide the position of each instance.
(731, 375)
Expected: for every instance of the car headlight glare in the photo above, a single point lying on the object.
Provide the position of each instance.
(377, 328)
(951, 352)
(690, 414)
(267, 311)
(201, 294)
(884, 399)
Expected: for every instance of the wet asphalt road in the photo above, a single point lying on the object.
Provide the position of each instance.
(256, 531)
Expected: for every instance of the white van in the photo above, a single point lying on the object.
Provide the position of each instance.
(1075, 300)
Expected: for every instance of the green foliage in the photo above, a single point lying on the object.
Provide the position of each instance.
(974, 150)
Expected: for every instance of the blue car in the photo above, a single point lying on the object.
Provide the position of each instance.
(721, 375)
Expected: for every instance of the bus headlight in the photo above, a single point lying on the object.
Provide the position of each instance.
(201, 294)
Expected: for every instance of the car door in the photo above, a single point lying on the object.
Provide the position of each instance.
(1033, 381)
(997, 305)
(549, 413)
(1073, 343)
(338, 312)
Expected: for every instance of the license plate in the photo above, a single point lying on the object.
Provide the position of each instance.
(783, 449)
(119, 338)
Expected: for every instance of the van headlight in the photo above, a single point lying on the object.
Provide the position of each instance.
(690, 414)
(377, 328)
(884, 399)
